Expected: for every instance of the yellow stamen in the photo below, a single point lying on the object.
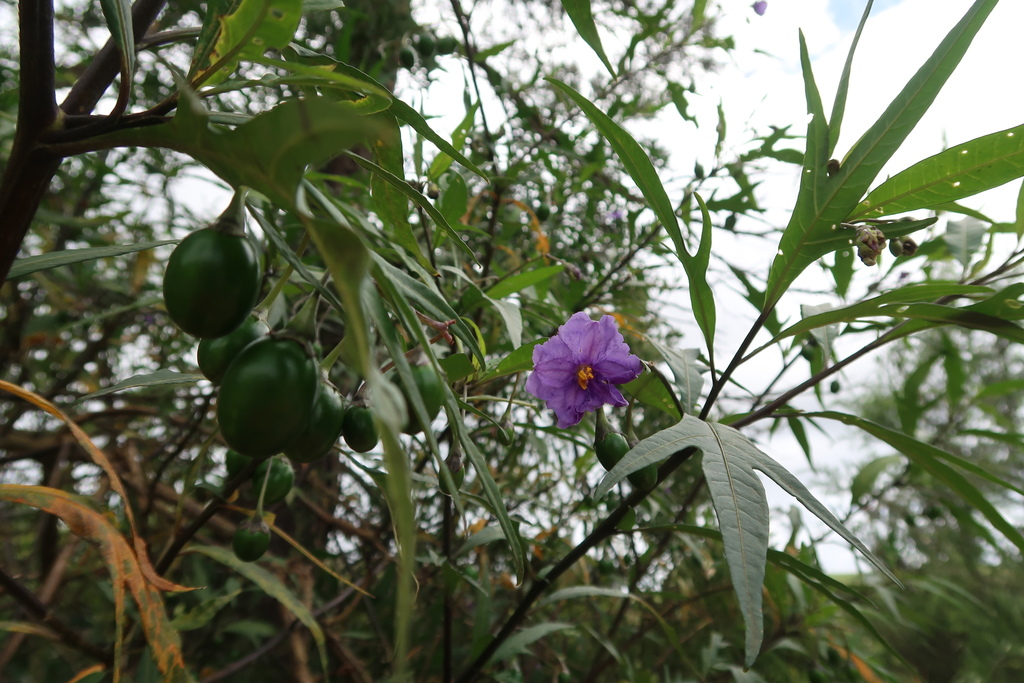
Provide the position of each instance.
(584, 375)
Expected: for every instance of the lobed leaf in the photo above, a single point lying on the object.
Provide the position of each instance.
(730, 462)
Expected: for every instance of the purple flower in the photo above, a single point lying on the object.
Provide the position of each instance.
(574, 371)
(760, 7)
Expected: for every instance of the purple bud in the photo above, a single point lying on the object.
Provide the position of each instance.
(760, 7)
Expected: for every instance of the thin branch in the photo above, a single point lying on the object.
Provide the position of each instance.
(40, 612)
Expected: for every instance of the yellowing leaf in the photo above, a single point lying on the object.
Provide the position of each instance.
(125, 570)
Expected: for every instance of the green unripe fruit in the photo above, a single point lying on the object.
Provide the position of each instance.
(447, 45)
(282, 476)
(429, 386)
(267, 396)
(211, 282)
(215, 355)
(235, 462)
(407, 58)
(323, 430)
(611, 449)
(358, 429)
(645, 479)
(251, 540)
(543, 212)
(458, 475)
(425, 45)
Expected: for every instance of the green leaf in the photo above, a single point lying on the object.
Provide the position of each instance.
(118, 15)
(933, 460)
(730, 462)
(154, 379)
(864, 481)
(457, 366)
(651, 391)
(403, 112)
(442, 162)
(824, 202)
(277, 239)
(582, 17)
(55, 259)
(517, 643)
(208, 34)
(638, 164)
(203, 613)
(964, 238)
(404, 188)
(839, 105)
(519, 360)
(321, 5)
(686, 372)
(272, 586)
(887, 304)
(702, 297)
(429, 302)
(521, 281)
(252, 28)
(960, 171)
(304, 132)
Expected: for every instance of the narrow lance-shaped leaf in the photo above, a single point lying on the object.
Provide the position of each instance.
(702, 297)
(960, 171)
(730, 462)
(118, 15)
(964, 238)
(839, 106)
(582, 17)
(933, 460)
(824, 202)
(273, 588)
(638, 164)
(64, 257)
(153, 379)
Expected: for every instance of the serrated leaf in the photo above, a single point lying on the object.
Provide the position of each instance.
(582, 17)
(154, 379)
(125, 569)
(636, 161)
(961, 171)
(272, 587)
(730, 462)
(64, 257)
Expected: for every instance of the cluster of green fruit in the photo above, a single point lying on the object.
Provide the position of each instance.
(425, 46)
(272, 396)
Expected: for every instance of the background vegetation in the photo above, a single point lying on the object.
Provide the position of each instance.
(462, 251)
